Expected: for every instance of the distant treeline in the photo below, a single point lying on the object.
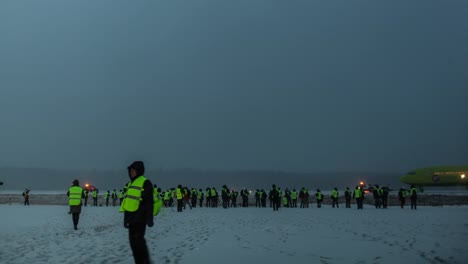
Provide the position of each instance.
(57, 179)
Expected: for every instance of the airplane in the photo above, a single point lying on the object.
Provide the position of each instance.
(437, 176)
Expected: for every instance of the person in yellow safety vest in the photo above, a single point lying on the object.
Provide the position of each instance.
(402, 197)
(413, 197)
(121, 196)
(86, 197)
(95, 197)
(166, 196)
(319, 197)
(214, 197)
(193, 197)
(75, 194)
(158, 203)
(106, 196)
(285, 201)
(358, 194)
(334, 197)
(377, 193)
(294, 198)
(180, 198)
(208, 197)
(138, 206)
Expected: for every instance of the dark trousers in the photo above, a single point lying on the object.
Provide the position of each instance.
(76, 218)
(275, 204)
(402, 202)
(107, 202)
(348, 202)
(384, 202)
(294, 203)
(26, 201)
(377, 202)
(413, 203)
(94, 201)
(335, 202)
(180, 204)
(194, 202)
(319, 203)
(86, 201)
(136, 235)
(245, 202)
(201, 202)
(359, 203)
(121, 200)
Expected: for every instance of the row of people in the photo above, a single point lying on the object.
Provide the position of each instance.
(229, 198)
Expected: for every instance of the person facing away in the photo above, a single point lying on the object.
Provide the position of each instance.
(86, 197)
(319, 197)
(359, 196)
(294, 198)
(107, 196)
(413, 197)
(275, 197)
(114, 197)
(95, 197)
(26, 196)
(180, 198)
(75, 195)
(348, 197)
(137, 207)
(200, 197)
(334, 197)
(402, 197)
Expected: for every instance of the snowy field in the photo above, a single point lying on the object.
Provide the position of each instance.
(44, 234)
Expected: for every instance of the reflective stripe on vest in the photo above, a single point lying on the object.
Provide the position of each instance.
(74, 197)
(132, 199)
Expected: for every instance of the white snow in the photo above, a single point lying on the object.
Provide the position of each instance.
(44, 234)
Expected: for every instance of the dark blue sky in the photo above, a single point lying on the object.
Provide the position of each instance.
(245, 84)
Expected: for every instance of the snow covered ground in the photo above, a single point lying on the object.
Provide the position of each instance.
(44, 234)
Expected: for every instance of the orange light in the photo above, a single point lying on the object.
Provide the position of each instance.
(361, 183)
(87, 185)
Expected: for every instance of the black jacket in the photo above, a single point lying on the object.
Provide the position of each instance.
(144, 214)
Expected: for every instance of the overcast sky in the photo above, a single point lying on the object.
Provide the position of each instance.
(246, 84)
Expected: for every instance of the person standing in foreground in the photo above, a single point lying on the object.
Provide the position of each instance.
(75, 194)
(138, 211)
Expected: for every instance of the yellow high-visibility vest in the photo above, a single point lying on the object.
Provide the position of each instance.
(132, 199)
(178, 194)
(74, 197)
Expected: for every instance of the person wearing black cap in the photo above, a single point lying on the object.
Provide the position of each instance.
(138, 210)
(75, 195)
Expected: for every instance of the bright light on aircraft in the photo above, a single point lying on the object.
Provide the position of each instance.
(462, 176)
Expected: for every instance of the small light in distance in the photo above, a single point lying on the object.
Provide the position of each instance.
(462, 176)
